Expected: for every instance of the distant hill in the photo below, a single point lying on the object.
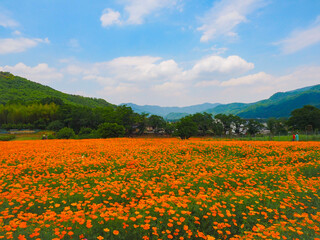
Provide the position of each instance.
(175, 116)
(280, 104)
(164, 111)
(231, 108)
(14, 88)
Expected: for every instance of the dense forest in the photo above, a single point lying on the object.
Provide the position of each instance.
(28, 105)
(69, 121)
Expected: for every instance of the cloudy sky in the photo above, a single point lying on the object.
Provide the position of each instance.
(163, 52)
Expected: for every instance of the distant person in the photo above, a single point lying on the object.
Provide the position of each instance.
(297, 137)
(293, 137)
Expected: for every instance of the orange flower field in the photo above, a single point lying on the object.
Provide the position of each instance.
(159, 189)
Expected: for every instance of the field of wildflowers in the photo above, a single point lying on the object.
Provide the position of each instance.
(159, 189)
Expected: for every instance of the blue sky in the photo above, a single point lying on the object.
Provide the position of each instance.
(163, 52)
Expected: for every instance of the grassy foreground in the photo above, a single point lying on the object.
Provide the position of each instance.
(159, 189)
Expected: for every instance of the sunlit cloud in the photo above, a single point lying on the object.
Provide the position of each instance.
(225, 16)
(300, 39)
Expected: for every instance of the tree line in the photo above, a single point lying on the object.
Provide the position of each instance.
(71, 121)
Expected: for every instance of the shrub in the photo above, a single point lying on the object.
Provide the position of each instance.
(109, 130)
(66, 133)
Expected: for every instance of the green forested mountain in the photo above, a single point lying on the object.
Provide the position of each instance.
(278, 105)
(175, 116)
(14, 88)
(231, 108)
(282, 106)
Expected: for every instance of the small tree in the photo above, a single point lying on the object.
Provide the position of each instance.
(66, 133)
(186, 128)
(110, 130)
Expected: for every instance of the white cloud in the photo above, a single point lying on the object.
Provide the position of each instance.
(127, 69)
(16, 45)
(136, 78)
(73, 69)
(300, 77)
(153, 80)
(156, 71)
(41, 73)
(175, 88)
(136, 11)
(106, 81)
(217, 64)
(122, 91)
(300, 39)
(255, 87)
(122, 88)
(6, 21)
(260, 77)
(225, 15)
(208, 83)
(110, 17)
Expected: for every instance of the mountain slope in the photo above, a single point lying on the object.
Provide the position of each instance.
(278, 105)
(231, 108)
(282, 104)
(17, 88)
(175, 116)
(164, 111)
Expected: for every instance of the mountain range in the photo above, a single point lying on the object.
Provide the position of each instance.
(278, 105)
(171, 112)
(14, 88)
